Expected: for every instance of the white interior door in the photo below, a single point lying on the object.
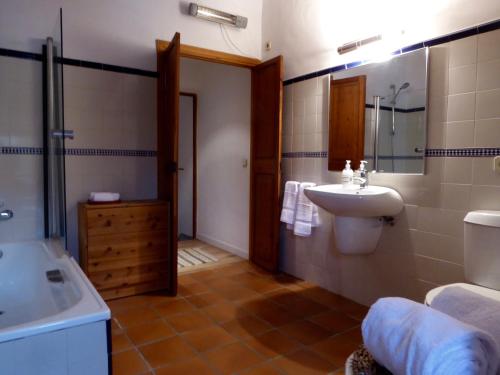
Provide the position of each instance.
(186, 165)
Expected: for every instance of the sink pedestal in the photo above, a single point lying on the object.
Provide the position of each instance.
(357, 235)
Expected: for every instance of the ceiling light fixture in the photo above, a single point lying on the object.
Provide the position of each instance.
(218, 16)
(348, 47)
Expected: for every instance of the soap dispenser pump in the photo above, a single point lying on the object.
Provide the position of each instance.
(347, 175)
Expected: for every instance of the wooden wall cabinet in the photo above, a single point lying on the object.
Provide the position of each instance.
(124, 247)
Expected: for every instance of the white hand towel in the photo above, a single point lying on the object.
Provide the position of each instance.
(104, 197)
(306, 215)
(471, 308)
(412, 339)
(290, 203)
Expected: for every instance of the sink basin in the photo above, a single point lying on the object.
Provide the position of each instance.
(357, 211)
(372, 201)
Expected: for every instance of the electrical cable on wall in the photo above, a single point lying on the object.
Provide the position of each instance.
(229, 42)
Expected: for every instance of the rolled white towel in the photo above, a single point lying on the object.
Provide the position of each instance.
(471, 308)
(412, 339)
(290, 203)
(104, 197)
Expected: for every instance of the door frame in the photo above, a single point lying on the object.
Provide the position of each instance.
(195, 156)
(218, 57)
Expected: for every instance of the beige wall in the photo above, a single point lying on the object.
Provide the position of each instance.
(425, 247)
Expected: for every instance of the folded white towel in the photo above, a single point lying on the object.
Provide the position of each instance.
(104, 197)
(306, 215)
(290, 203)
(409, 338)
(471, 308)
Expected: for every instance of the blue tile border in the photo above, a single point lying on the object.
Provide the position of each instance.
(475, 30)
(81, 63)
(79, 152)
(431, 152)
(473, 152)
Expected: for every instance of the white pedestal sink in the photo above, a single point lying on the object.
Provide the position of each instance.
(358, 213)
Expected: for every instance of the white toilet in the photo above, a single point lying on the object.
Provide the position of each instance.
(482, 255)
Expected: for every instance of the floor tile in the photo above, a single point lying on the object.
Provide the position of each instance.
(191, 289)
(193, 366)
(208, 338)
(305, 332)
(334, 321)
(205, 299)
(272, 344)
(173, 307)
(128, 363)
(120, 342)
(118, 305)
(304, 362)
(338, 348)
(270, 312)
(166, 351)
(246, 326)
(233, 357)
(150, 331)
(264, 369)
(189, 321)
(135, 316)
(225, 311)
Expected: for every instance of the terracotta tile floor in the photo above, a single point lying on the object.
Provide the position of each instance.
(235, 319)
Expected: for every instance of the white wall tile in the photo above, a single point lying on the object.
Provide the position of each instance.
(488, 75)
(459, 134)
(438, 271)
(487, 133)
(463, 51)
(462, 79)
(485, 197)
(483, 173)
(487, 104)
(458, 170)
(461, 107)
(456, 196)
(488, 46)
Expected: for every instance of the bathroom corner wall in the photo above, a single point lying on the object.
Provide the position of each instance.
(425, 247)
(21, 169)
(114, 119)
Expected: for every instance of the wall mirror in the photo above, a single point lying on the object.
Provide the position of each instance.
(378, 112)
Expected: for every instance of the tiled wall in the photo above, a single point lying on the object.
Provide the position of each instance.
(115, 111)
(21, 176)
(425, 247)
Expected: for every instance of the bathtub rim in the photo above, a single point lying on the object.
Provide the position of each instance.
(89, 309)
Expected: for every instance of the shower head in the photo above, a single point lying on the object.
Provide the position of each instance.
(403, 87)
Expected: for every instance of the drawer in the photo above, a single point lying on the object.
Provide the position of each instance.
(127, 245)
(117, 278)
(126, 219)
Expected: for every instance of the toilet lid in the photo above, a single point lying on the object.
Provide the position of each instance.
(485, 292)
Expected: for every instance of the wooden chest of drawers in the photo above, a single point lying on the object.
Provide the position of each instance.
(124, 247)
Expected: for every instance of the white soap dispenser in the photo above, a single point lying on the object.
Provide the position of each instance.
(347, 175)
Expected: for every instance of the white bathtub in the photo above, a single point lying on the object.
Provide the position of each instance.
(48, 318)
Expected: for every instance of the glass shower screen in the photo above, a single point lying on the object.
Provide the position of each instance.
(54, 134)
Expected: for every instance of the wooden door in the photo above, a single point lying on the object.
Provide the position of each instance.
(168, 139)
(347, 122)
(267, 96)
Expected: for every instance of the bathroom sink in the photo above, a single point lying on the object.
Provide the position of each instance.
(372, 201)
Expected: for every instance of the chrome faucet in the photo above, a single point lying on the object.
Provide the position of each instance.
(361, 175)
(6, 214)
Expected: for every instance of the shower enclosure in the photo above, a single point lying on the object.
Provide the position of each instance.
(53, 136)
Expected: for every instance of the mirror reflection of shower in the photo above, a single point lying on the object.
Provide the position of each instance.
(395, 95)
